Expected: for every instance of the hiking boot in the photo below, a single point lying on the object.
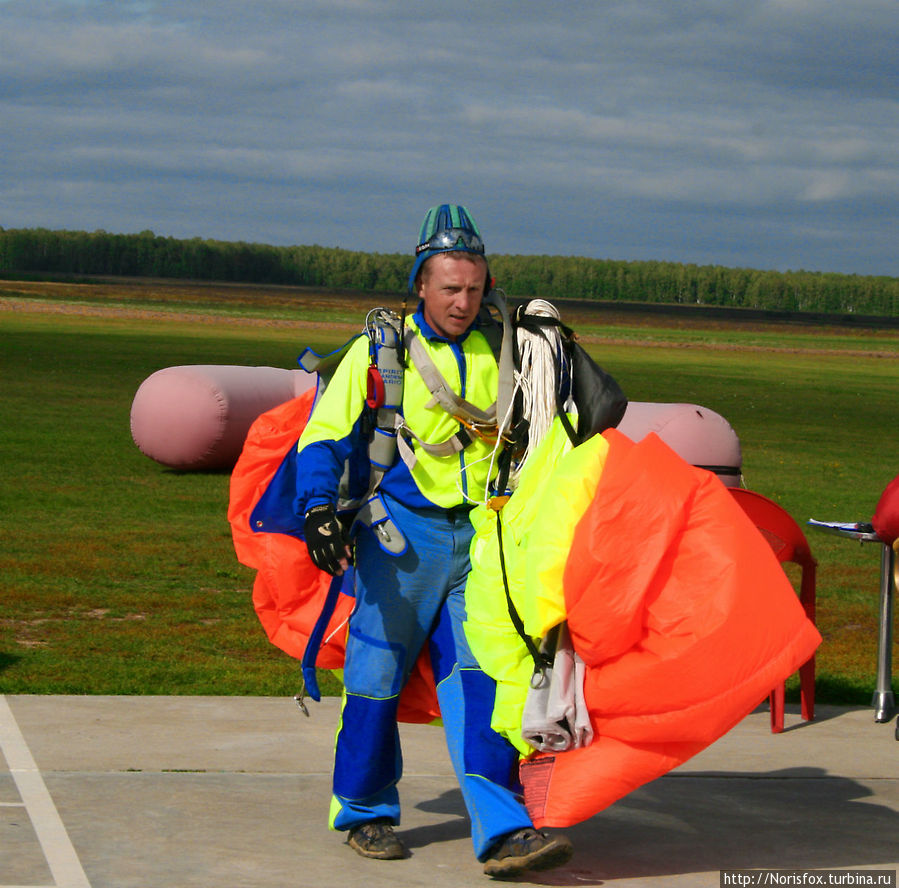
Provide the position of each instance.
(376, 839)
(527, 849)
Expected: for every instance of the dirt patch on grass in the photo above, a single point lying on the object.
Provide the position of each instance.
(89, 310)
(343, 311)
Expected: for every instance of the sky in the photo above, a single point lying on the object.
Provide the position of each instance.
(745, 133)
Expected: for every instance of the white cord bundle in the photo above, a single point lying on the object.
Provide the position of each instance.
(538, 377)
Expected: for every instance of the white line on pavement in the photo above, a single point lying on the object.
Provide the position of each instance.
(57, 847)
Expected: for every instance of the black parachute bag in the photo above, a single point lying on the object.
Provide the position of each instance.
(599, 399)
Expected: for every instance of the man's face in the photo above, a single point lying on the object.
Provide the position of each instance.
(452, 287)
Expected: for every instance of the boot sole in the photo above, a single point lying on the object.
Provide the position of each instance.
(397, 854)
(554, 854)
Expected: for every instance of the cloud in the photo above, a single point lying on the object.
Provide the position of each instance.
(299, 121)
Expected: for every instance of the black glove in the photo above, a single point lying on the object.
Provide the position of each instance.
(326, 539)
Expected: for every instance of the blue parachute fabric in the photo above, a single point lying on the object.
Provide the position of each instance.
(274, 512)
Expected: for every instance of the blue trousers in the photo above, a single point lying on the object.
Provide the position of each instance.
(402, 603)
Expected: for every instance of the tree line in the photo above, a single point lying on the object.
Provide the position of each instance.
(40, 250)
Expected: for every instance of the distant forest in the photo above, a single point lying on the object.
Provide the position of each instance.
(43, 251)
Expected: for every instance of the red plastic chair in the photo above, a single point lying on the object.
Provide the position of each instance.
(789, 544)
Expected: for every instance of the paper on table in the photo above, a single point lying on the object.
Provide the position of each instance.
(859, 530)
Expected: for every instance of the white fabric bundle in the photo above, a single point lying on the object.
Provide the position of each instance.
(555, 713)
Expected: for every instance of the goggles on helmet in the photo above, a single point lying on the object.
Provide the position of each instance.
(449, 238)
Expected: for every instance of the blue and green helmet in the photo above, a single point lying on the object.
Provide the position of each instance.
(446, 228)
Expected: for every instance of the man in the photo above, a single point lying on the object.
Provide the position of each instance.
(413, 595)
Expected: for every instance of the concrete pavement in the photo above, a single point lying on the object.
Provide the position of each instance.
(232, 792)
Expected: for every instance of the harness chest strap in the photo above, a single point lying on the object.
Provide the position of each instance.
(450, 446)
(475, 421)
(496, 418)
(443, 394)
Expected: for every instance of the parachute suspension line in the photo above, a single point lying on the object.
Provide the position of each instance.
(334, 632)
(492, 457)
(541, 661)
(496, 450)
(538, 378)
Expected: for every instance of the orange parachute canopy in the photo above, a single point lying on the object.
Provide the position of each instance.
(684, 618)
(289, 589)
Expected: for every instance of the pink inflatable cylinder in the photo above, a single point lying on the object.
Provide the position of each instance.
(197, 417)
(696, 434)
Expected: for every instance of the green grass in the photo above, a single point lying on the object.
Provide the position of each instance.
(117, 575)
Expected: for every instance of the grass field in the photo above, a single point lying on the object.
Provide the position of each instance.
(118, 576)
